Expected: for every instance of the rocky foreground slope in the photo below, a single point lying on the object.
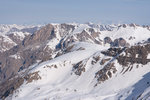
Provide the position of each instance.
(76, 62)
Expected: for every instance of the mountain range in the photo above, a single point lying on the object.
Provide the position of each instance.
(72, 61)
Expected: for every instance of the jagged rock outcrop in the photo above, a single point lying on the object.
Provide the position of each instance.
(42, 35)
(29, 52)
(79, 68)
(66, 29)
(51, 49)
(120, 42)
(84, 36)
(34, 46)
(113, 51)
(9, 86)
(107, 40)
(116, 43)
(105, 73)
(133, 55)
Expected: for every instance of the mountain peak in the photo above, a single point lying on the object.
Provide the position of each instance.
(71, 61)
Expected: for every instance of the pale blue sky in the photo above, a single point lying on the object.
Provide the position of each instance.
(80, 11)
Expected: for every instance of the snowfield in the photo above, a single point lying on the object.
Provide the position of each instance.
(62, 84)
(60, 78)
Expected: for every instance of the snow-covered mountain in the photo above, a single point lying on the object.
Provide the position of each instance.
(11, 35)
(78, 62)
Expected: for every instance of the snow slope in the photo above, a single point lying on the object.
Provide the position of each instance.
(137, 34)
(62, 84)
(74, 75)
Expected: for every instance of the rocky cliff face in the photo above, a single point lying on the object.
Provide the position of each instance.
(11, 37)
(96, 53)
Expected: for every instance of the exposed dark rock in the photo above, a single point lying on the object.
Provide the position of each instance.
(6, 66)
(148, 40)
(68, 49)
(135, 54)
(15, 38)
(79, 68)
(32, 76)
(95, 60)
(9, 86)
(103, 61)
(45, 33)
(93, 33)
(67, 28)
(131, 38)
(113, 51)
(84, 36)
(51, 66)
(64, 43)
(133, 25)
(105, 73)
(124, 25)
(81, 48)
(107, 40)
(120, 42)
(32, 49)
(58, 54)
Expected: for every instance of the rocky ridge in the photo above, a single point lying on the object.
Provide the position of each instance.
(54, 41)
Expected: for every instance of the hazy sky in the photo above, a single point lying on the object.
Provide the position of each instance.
(80, 11)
